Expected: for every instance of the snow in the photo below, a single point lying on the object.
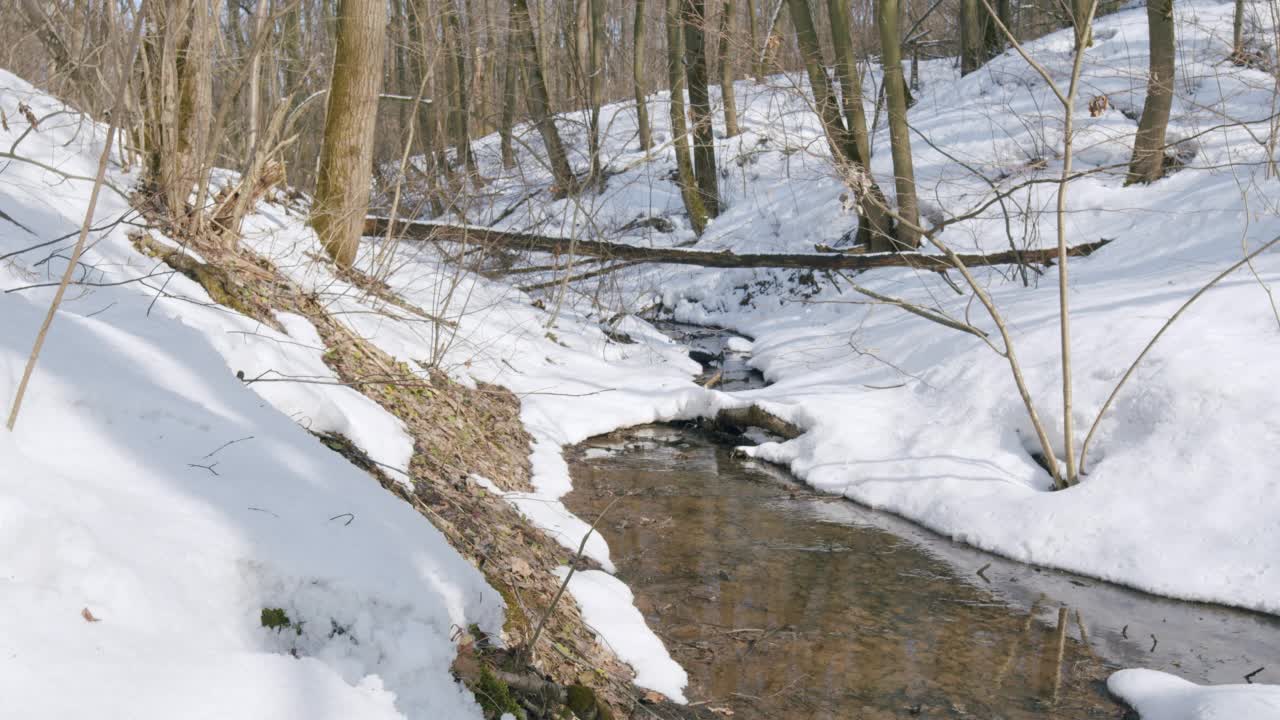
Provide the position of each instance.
(1159, 696)
(608, 607)
(149, 487)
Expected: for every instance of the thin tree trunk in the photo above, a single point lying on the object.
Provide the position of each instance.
(1237, 33)
(510, 82)
(255, 75)
(679, 128)
(704, 142)
(346, 156)
(859, 149)
(1147, 164)
(639, 38)
(725, 60)
(972, 40)
(874, 224)
(908, 237)
(425, 114)
(1081, 12)
(460, 92)
(539, 103)
(757, 64)
(595, 87)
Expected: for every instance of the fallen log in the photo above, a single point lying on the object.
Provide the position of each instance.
(375, 226)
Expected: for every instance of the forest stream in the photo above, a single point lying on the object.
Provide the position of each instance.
(783, 603)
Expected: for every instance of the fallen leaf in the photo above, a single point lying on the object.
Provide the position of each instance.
(721, 710)
(88, 616)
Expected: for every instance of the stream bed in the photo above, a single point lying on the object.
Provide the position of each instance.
(782, 603)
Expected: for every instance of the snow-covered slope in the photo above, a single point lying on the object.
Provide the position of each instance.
(152, 505)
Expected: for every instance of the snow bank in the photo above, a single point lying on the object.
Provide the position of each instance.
(1158, 696)
(608, 607)
(152, 505)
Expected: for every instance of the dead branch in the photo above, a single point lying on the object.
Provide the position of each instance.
(441, 232)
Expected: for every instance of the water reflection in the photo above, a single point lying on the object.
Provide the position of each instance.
(781, 603)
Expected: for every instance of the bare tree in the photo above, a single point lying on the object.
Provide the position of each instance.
(539, 103)
(725, 61)
(693, 13)
(639, 38)
(679, 128)
(895, 89)
(342, 187)
(1147, 164)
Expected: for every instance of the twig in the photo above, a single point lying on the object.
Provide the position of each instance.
(224, 446)
(349, 516)
(1084, 448)
(565, 583)
(98, 182)
(1249, 678)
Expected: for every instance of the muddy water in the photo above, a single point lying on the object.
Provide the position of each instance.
(783, 604)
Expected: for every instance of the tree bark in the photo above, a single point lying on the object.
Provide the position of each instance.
(639, 37)
(704, 141)
(757, 64)
(1080, 18)
(1147, 164)
(899, 134)
(595, 86)
(510, 82)
(859, 148)
(539, 104)
(459, 91)
(725, 60)
(1237, 33)
(346, 156)
(484, 236)
(972, 40)
(679, 128)
(875, 226)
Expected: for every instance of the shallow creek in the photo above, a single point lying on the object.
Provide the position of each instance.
(785, 604)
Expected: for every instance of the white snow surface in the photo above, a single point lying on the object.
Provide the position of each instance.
(608, 607)
(1160, 696)
(148, 487)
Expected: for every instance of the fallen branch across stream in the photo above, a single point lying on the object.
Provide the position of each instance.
(635, 254)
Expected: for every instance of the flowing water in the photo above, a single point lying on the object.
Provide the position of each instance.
(785, 604)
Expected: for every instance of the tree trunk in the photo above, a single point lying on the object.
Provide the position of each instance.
(1237, 34)
(425, 115)
(858, 148)
(875, 226)
(1147, 164)
(757, 65)
(972, 40)
(993, 37)
(637, 74)
(679, 129)
(346, 156)
(726, 71)
(510, 82)
(539, 103)
(908, 236)
(704, 141)
(595, 87)
(460, 91)
(1080, 17)
(517, 241)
